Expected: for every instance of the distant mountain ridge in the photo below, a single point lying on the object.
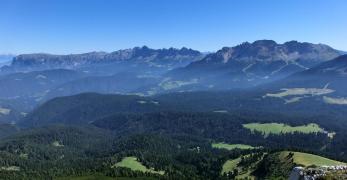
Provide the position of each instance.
(269, 50)
(33, 79)
(5, 59)
(159, 58)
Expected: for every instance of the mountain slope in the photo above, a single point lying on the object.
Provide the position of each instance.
(330, 76)
(279, 165)
(251, 64)
(34, 84)
(85, 108)
(121, 83)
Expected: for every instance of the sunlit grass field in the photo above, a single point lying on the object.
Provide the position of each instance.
(278, 128)
(133, 164)
(306, 159)
(231, 146)
(230, 165)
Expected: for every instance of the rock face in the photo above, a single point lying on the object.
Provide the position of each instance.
(270, 51)
(296, 173)
(250, 64)
(136, 57)
(322, 172)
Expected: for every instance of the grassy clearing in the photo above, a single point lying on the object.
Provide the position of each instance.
(293, 100)
(300, 92)
(337, 101)
(230, 165)
(10, 168)
(4, 111)
(221, 111)
(133, 164)
(57, 144)
(231, 146)
(306, 159)
(243, 172)
(168, 85)
(278, 128)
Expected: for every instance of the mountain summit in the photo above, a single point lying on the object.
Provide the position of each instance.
(269, 50)
(250, 64)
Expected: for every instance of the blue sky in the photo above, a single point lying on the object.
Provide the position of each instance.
(75, 26)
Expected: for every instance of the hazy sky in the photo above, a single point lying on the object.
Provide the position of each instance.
(74, 26)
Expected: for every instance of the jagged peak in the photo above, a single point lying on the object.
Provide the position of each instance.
(270, 50)
(264, 43)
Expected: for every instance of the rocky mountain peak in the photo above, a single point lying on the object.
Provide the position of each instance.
(266, 43)
(269, 50)
(167, 58)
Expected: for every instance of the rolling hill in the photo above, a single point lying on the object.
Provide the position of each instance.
(280, 164)
(120, 83)
(85, 108)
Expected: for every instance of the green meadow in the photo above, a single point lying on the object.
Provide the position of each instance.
(278, 128)
(243, 172)
(230, 165)
(133, 164)
(231, 146)
(306, 159)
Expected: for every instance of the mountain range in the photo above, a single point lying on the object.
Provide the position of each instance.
(251, 64)
(32, 79)
(322, 86)
(141, 59)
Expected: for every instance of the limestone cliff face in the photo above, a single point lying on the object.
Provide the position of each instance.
(296, 174)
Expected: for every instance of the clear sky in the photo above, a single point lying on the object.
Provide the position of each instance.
(75, 26)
